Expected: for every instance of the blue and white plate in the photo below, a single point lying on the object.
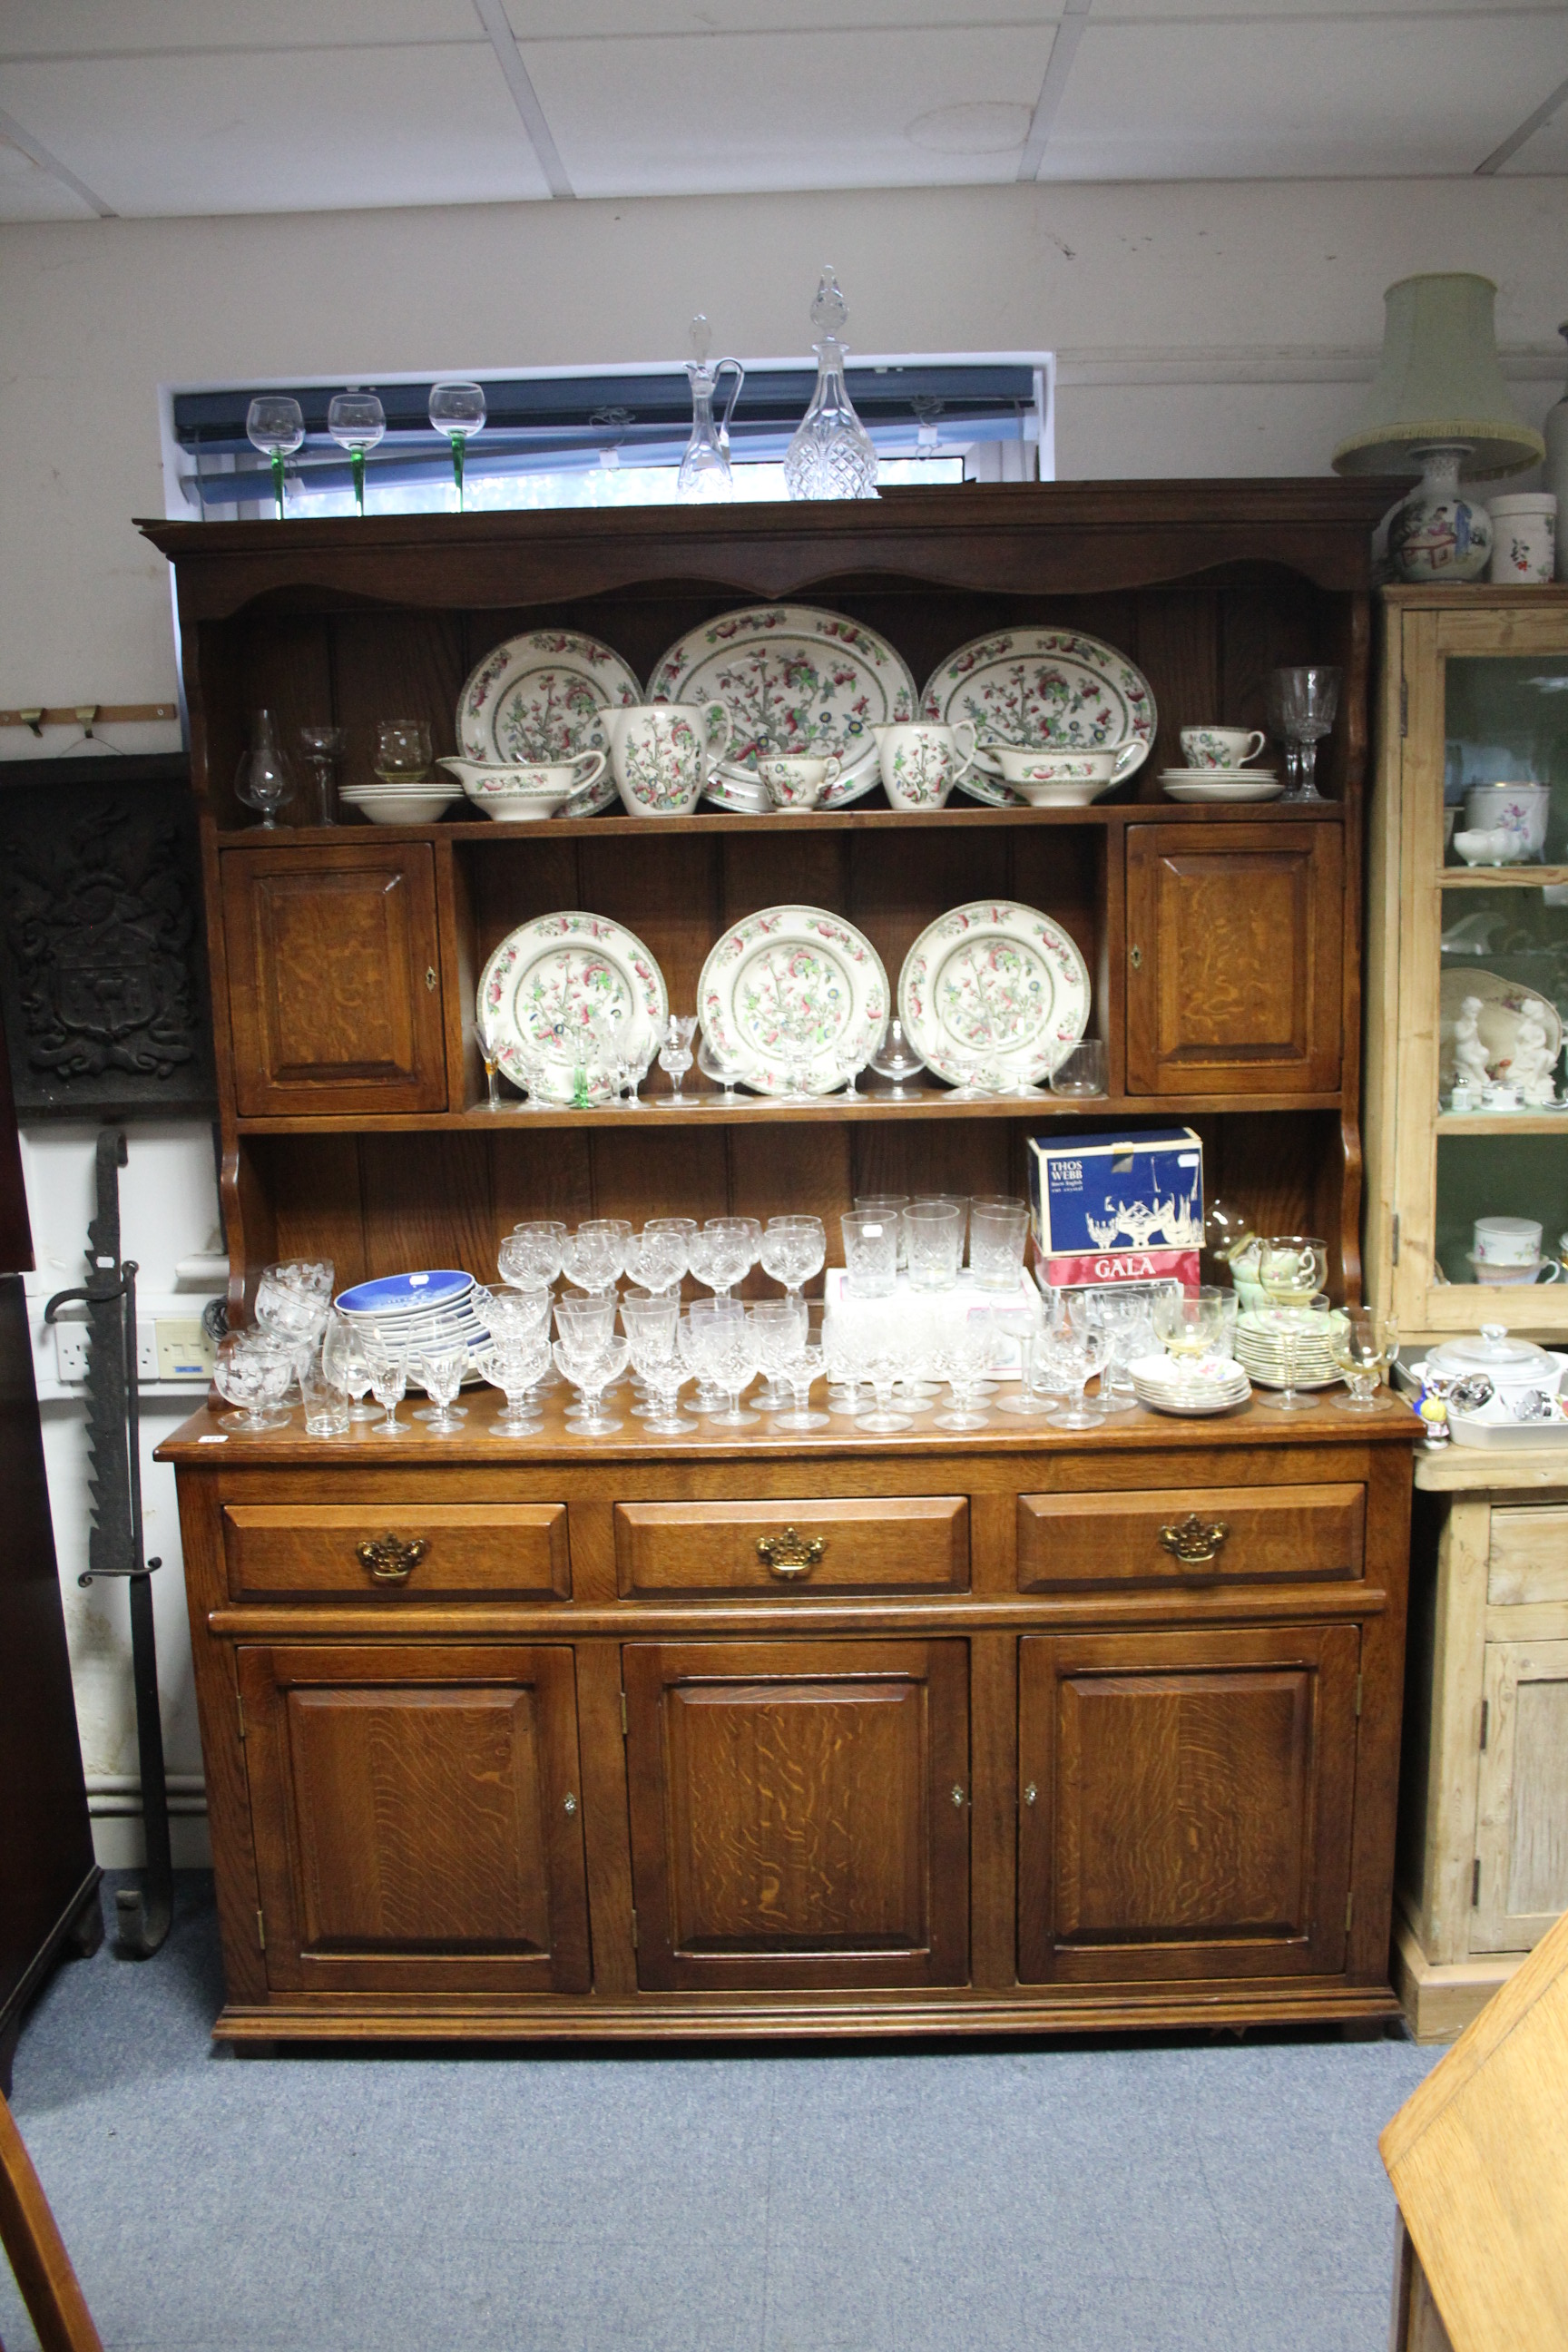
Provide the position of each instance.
(405, 1293)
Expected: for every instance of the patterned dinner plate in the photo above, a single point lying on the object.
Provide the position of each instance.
(537, 699)
(998, 981)
(549, 992)
(792, 679)
(1042, 689)
(790, 984)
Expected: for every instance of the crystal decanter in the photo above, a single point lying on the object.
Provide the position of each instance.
(831, 455)
(705, 477)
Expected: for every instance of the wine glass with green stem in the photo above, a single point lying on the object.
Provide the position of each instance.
(276, 426)
(357, 423)
(458, 410)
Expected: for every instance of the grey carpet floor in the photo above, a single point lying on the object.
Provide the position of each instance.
(1142, 2197)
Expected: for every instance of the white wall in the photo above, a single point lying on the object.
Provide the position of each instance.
(1223, 328)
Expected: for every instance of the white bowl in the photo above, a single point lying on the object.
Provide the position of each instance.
(400, 804)
(1519, 810)
(1060, 795)
(1259, 788)
(1023, 766)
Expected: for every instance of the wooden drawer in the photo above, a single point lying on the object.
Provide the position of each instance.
(872, 1544)
(1269, 1534)
(516, 1549)
(1528, 1560)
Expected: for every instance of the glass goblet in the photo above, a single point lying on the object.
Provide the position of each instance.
(357, 422)
(792, 1250)
(439, 1372)
(884, 1364)
(962, 1357)
(675, 1052)
(516, 1365)
(735, 1363)
(345, 1365)
(324, 748)
(530, 1256)
(893, 1058)
(723, 1068)
(737, 1246)
(276, 426)
(253, 1372)
(264, 778)
(458, 410)
(653, 1339)
(1190, 1324)
(798, 1373)
(1292, 1270)
(592, 1367)
(1361, 1344)
(388, 1383)
(1302, 705)
(596, 1254)
(779, 1328)
(659, 1255)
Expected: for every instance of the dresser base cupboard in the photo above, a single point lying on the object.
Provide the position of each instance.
(543, 1737)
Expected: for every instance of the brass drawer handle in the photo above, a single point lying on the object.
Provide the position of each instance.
(1195, 1541)
(390, 1559)
(790, 1555)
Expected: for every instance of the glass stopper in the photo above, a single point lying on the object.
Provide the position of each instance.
(829, 312)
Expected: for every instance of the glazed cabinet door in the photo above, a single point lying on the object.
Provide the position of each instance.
(416, 1818)
(800, 1813)
(1521, 1815)
(1185, 1803)
(334, 979)
(1234, 951)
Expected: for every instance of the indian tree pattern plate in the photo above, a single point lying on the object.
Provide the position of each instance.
(1042, 689)
(996, 981)
(537, 699)
(789, 982)
(547, 987)
(793, 681)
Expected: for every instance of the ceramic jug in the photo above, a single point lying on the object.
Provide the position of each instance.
(662, 753)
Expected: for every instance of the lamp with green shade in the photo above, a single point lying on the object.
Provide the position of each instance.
(1439, 407)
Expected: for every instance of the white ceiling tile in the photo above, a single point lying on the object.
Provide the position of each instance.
(1494, 14)
(50, 28)
(1545, 150)
(538, 20)
(29, 193)
(780, 111)
(1298, 98)
(296, 133)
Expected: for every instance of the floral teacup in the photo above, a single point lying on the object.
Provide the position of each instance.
(796, 780)
(920, 763)
(1221, 747)
(661, 753)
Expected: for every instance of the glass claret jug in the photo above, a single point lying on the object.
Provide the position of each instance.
(831, 455)
(705, 477)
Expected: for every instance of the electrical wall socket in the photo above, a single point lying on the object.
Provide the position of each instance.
(167, 1349)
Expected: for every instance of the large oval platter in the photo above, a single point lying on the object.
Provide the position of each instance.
(998, 980)
(1042, 689)
(547, 983)
(537, 699)
(788, 981)
(792, 679)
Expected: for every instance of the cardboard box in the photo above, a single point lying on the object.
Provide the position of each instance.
(1114, 1208)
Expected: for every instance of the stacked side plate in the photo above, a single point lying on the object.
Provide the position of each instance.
(1215, 1384)
(415, 1311)
(1220, 785)
(1259, 1346)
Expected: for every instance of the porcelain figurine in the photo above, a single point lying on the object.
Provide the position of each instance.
(1471, 1068)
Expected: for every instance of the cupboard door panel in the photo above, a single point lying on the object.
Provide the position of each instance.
(1192, 1803)
(800, 1813)
(410, 1815)
(1521, 1811)
(335, 1004)
(1235, 949)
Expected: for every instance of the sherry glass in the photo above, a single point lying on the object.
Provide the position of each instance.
(585, 1321)
(516, 1365)
(723, 1068)
(344, 1363)
(324, 748)
(706, 1325)
(592, 1366)
(1128, 1334)
(962, 1357)
(356, 421)
(798, 1373)
(793, 1249)
(402, 751)
(458, 410)
(276, 426)
(1076, 1355)
(1302, 704)
(652, 1323)
(735, 1366)
(779, 1326)
(485, 1030)
(264, 778)
(841, 1362)
(1190, 1324)
(530, 1254)
(886, 1359)
(675, 1053)
(388, 1383)
(439, 1370)
(1362, 1344)
(1292, 1270)
(1035, 1362)
(893, 1058)
(254, 1372)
